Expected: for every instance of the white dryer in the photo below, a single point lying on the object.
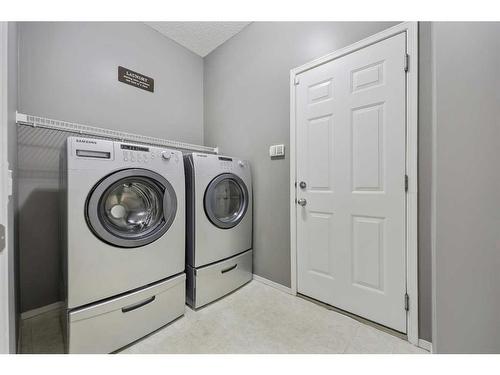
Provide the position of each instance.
(124, 209)
(218, 226)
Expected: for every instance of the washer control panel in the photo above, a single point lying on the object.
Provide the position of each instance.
(142, 154)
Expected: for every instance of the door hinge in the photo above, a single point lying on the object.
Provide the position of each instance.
(407, 302)
(296, 81)
(407, 62)
(406, 182)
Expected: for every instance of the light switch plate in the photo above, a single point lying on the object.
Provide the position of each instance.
(277, 150)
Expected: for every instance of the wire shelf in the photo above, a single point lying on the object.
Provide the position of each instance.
(81, 129)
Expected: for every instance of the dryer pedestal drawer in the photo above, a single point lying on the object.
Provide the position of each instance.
(208, 283)
(107, 326)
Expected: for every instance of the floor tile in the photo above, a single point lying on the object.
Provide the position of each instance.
(254, 319)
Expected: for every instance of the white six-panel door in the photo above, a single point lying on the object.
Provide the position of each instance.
(350, 116)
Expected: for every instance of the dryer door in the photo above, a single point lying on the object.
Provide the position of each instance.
(226, 200)
(131, 208)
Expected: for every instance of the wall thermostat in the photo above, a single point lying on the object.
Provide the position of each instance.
(277, 150)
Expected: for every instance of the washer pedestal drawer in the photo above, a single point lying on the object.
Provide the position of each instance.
(208, 283)
(107, 326)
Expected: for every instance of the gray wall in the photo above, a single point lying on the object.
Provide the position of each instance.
(425, 181)
(466, 57)
(68, 71)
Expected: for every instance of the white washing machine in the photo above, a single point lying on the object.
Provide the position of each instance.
(218, 226)
(124, 208)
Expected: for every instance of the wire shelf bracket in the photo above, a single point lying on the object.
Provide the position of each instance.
(82, 130)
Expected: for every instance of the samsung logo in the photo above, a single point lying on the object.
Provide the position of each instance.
(86, 141)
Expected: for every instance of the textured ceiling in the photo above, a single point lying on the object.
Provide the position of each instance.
(199, 37)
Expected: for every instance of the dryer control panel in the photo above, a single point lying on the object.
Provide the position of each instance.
(211, 165)
(230, 164)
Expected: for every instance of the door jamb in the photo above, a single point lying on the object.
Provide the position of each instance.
(411, 31)
(5, 338)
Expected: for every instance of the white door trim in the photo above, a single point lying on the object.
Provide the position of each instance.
(411, 30)
(424, 344)
(4, 178)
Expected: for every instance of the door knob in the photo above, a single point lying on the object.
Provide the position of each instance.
(302, 184)
(302, 202)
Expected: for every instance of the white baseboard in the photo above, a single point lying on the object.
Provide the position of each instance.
(273, 284)
(40, 310)
(425, 345)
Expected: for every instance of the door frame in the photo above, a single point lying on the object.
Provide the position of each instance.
(5, 318)
(411, 31)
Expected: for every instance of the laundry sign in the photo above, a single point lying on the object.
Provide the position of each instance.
(135, 79)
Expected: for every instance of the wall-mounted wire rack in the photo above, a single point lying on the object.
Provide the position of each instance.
(83, 130)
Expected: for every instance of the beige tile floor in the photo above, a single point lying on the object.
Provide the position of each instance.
(254, 319)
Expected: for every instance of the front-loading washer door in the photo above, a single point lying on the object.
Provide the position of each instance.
(226, 200)
(131, 207)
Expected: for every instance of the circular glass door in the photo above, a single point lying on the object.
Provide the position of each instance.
(226, 200)
(131, 208)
